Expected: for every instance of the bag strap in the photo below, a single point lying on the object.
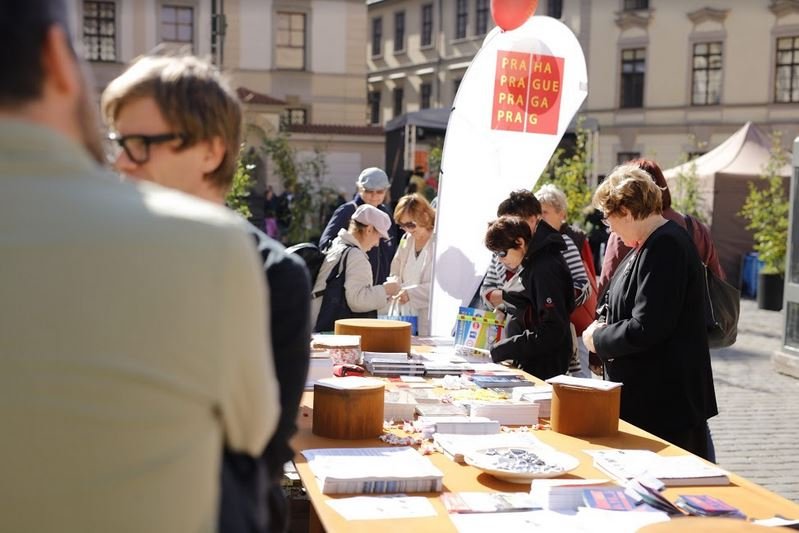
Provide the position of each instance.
(337, 271)
(705, 271)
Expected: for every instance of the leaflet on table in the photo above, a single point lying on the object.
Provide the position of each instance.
(486, 502)
(388, 507)
(373, 470)
(585, 383)
(456, 446)
(583, 520)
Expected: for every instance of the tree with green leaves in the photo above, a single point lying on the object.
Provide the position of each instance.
(766, 209)
(568, 170)
(304, 179)
(236, 198)
(685, 194)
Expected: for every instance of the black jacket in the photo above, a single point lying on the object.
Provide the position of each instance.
(539, 300)
(656, 340)
(252, 498)
(380, 256)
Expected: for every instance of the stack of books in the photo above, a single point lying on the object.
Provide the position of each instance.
(373, 470)
(501, 381)
(506, 412)
(389, 367)
(563, 494)
(539, 395)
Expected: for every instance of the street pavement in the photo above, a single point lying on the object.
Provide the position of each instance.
(756, 432)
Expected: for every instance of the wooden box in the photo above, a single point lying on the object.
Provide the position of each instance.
(585, 412)
(348, 413)
(377, 335)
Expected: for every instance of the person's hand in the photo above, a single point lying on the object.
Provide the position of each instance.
(588, 335)
(391, 287)
(495, 297)
(403, 297)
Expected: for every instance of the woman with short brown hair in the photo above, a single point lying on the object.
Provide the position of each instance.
(653, 338)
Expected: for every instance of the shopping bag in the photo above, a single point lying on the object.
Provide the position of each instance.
(393, 313)
(477, 328)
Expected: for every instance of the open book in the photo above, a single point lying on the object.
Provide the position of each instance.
(678, 470)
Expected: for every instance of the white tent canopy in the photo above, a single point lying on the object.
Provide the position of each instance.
(723, 174)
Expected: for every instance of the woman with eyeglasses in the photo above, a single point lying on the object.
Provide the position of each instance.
(412, 265)
(538, 298)
(654, 338)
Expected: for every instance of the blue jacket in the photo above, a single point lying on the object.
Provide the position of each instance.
(380, 256)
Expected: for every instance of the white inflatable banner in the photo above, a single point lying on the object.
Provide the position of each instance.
(514, 104)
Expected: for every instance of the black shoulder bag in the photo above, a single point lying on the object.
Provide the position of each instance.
(722, 305)
(334, 299)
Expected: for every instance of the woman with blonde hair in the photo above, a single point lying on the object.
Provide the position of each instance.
(412, 266)
(654, 338)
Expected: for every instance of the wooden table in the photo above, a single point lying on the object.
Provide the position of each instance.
(754, 500)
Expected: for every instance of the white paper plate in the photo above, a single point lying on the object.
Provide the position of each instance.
(513, 464)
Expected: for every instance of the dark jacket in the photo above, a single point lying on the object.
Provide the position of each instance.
(656, 341)
(252, 498)
(380, 256)
(539, 300)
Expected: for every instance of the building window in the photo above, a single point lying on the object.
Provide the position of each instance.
(377, 36)
(707, 74)
(399, 31)
(290, 43)
(623, 157)
(456, 84)
(481, 17)
(786, 86)
(555, 8)
(374, 107)
(99, 31)
(177, 25)
(461, 18)
(399, 94)
(427, 25)
(425, 92)
(294, 116)
(633, 65)
(694, 155)
(634, 5)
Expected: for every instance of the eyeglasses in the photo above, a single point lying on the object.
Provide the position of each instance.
(137, 147)
(407, 225)
(501, 253)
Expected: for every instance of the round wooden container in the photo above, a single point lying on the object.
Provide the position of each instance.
(377, 335)
(580, 411)
(348, 413)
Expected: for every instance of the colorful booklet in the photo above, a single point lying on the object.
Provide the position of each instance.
(486, 502)
(609, 499)
(706, 505)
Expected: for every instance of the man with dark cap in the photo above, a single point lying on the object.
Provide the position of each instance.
(372, 186)
(120, 382)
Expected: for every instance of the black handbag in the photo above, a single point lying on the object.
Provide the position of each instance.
(722, 305)
(334, 299)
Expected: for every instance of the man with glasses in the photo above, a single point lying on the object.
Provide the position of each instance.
(177, 122)
(372, 185)
(116, 393)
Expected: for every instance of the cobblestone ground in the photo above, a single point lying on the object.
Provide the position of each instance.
(757, 430)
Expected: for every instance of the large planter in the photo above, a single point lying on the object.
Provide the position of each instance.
(769, 291)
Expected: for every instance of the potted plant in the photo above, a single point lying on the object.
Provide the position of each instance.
(766, 210)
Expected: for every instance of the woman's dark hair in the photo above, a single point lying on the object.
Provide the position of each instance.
(503, 233)
(23, 29)
(520, 203)
(653, 169)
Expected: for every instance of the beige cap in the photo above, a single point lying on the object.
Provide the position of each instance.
(372, 216)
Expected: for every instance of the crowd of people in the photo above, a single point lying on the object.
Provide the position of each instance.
(155, 344)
